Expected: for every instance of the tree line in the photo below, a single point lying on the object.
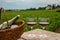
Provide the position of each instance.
(42, 8)
(54, 6)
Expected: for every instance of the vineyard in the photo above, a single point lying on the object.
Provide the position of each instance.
(53, 15)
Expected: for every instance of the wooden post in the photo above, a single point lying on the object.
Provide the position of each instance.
(0, 15)
(5, 14)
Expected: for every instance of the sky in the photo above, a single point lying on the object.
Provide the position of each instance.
(24, 4)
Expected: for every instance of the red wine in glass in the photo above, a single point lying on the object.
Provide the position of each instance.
(31, 24)
(44, 24)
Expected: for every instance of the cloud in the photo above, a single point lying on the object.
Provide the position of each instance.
(34, 1)
(26, 3)
(9, 1)
(52, 1)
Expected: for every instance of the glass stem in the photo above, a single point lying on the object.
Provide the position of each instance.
(31, 28)
(43, 27)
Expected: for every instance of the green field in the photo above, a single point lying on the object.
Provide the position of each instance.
(51, 14)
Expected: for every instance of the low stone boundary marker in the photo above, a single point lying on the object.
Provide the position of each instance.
(39, 34)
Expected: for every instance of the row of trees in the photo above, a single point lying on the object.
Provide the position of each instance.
(54, 6)
(41, 8)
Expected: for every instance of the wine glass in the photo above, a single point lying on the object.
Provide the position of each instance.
(31, 22)
(44, 22)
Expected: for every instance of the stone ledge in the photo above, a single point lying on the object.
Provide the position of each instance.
(39, 34)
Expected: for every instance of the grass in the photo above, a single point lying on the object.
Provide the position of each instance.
(51, 14)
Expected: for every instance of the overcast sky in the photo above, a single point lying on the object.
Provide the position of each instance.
(22, 4)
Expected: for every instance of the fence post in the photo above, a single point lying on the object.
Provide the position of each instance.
(0, 15)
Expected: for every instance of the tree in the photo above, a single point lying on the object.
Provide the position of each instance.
(32, 9)
(53, 6)
(41, 8)
(58, 6)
